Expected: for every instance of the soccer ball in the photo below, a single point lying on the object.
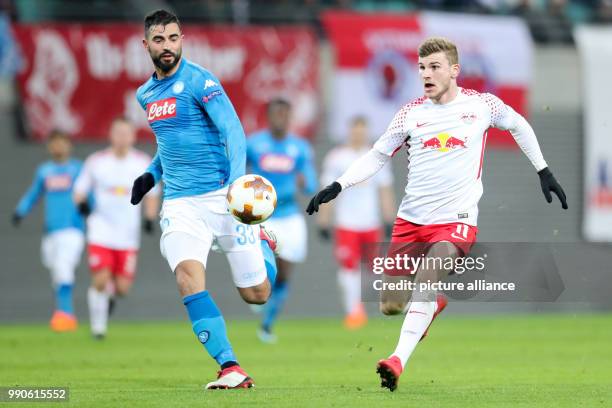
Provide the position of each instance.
(251, 199)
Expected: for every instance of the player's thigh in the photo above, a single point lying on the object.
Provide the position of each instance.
(124, 269)
(66, 255)
(292, 237)
(185, 234)
(346, 248)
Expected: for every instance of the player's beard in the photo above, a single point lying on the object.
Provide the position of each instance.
(164, 66)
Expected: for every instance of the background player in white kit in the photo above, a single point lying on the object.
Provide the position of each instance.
(445, 135)
(113, 227)
(352, 234)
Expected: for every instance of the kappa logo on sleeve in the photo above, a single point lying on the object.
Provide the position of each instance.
(210, 83)
(162, 109)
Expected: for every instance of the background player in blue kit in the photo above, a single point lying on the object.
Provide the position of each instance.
(63, 240)
(200, 150)
(286, 160)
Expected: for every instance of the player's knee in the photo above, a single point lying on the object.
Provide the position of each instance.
(391, 308)
(257, 295)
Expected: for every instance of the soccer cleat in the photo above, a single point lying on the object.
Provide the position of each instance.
(389, 371)
(63, 322)
(357, 318)
(266, 336)
(269, 237)
(99, 336)
(231, 378)
(442, 301)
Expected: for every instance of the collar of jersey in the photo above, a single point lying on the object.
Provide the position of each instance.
(173, 76)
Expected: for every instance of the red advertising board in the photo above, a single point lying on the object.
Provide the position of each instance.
(78, 77)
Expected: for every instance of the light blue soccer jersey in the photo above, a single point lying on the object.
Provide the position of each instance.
(281, 161)
(54, 181)
(201, 145)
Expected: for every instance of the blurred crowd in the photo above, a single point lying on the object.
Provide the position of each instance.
(549, 20)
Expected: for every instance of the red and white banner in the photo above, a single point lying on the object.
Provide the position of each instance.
(78, 77)
(376, 62)
(597, 162)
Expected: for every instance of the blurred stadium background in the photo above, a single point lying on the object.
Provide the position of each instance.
(74, 64)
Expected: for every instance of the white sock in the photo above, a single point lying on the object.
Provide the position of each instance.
(98, 310)
(417, 319)
(350, 286)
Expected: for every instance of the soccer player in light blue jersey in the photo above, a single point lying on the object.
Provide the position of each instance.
(63, 240)
(286, 160)
(201, 149)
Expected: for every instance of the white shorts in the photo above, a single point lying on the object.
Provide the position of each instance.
(291, 235)
(61, 252)
(190, 225)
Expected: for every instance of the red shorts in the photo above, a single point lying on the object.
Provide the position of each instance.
(120, 262)
(421, 237)
(350, 245)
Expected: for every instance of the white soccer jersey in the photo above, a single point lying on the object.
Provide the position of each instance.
(114, 222)
(357, 208)
(446, 145)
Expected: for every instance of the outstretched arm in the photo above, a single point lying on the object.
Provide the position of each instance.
(29, 199)
(505, 118)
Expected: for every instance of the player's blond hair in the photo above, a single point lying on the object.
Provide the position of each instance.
(439, 44)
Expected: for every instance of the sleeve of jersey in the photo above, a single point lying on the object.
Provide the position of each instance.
(215, 102)
(31, 197)
(155, 168)
(395, 135)
(363, 168)
(84, 181)
(505, 118)
(308, 171)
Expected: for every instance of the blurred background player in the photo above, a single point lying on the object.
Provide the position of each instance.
(63, 239)
(201, 150)
(287, 161)
(444, 132)
(113, 225)
(353, 233)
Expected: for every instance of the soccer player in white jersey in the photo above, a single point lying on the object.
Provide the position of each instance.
(113, 224)
(444, 133)
(353, 235)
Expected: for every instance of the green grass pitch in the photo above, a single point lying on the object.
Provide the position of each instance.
(502, 361)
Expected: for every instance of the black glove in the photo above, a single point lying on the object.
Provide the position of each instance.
(326, 195)
(388, 230)
(324, 233)
(16, 219)
(84, 209)
(549, 183)
(141, 186)
(148, 226)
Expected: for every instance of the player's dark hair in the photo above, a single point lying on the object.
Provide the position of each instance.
(58, 134)
(159, 17)
(278, 102)
(359, 120)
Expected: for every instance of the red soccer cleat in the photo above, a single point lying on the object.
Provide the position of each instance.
(442, 301)
(389, 371)
(231, 378)
(269, 237)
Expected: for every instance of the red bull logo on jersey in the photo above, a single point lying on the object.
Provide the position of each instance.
(162, 109)
(119, 190)
(468, 118)
(443, 142)
(276, 163)
(58, 182)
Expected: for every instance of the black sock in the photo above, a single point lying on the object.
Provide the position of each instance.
(228, 364)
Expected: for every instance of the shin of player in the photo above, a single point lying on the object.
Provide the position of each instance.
(354, 235)
(286, 160)
(113, 225)
(62, 243)
(445, 133)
